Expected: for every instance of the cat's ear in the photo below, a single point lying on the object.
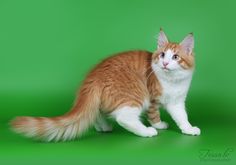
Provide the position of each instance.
(162, 39)
(187, 44)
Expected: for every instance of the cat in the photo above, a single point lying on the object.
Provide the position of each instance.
(122, 87)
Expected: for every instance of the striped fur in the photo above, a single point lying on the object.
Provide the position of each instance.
(153, 112)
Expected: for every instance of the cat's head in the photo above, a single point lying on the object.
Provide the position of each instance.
(170, 57)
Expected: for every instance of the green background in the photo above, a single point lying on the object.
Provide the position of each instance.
(48, 46)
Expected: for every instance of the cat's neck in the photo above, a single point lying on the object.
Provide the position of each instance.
(159, 80)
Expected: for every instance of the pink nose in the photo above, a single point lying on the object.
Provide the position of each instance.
(165, 63)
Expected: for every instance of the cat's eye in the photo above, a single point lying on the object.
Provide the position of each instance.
(175, 57)
(162, 55)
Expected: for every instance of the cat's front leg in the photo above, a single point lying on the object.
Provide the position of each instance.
(179, 115)
(153, 114)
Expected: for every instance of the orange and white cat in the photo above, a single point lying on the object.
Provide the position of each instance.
(123, 86)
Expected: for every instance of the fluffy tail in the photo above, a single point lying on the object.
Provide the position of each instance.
(62, 128)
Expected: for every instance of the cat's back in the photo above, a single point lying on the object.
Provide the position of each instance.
(137, 61)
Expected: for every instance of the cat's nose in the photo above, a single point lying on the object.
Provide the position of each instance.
(165, 63)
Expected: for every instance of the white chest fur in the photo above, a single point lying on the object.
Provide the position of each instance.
(174, 86)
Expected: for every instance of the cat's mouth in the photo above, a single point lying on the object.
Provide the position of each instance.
(165, 68)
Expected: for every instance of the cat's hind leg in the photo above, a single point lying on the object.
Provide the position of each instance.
(128, 117)
(102, 125)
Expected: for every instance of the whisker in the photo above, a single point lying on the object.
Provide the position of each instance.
(147, 69)
(150, 74)
(154, 69)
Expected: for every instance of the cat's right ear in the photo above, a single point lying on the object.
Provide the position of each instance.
(162, 39)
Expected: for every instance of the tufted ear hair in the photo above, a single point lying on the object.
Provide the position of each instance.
(162, 39)
(188, 44)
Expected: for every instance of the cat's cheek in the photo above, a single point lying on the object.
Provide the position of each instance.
(176, 66)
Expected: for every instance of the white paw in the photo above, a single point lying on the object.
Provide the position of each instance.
(160, 125)
(148, 132)
(192, 131)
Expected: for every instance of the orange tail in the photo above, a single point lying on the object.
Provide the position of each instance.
(62, 128)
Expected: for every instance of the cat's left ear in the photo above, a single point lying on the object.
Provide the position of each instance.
(162, 39)
(188, 44)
